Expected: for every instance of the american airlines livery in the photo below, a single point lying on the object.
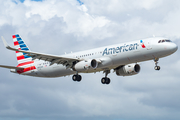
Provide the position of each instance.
(122, 58)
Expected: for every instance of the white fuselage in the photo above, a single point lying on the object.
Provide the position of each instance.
(112, 56)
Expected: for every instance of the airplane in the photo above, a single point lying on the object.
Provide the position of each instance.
(122, 58)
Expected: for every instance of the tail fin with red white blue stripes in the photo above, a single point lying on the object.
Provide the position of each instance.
(22, 58)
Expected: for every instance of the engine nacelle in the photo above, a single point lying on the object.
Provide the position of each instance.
(85, 65)
(128, 70)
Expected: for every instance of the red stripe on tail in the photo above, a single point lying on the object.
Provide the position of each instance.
(16, 43)
(20, 57)
(14, 36)
(25, 63)
(26, 69)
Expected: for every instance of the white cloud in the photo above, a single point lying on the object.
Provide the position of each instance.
(64, 26)
(78, 21)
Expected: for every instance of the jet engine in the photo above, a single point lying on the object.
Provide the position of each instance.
(128, 70)
(85, 65)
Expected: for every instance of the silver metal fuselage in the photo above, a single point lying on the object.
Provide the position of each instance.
(111, 56)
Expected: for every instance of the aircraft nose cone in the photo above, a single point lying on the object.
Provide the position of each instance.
(174, 47)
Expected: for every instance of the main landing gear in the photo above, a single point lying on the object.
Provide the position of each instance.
(77, 77)
(156, 62)
(106, 80)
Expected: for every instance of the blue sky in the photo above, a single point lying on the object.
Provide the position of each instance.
(31, 0)
(80, 2)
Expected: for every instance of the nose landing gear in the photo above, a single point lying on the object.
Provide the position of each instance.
(156, 64)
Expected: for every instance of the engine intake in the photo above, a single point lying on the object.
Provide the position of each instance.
(85, 65)
(128, 70)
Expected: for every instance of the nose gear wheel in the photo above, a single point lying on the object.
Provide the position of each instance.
(156, 64)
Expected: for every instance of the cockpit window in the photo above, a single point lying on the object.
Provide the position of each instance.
(168, 41)
(162, 41)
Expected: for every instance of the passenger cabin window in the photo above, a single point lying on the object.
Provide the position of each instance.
(162, 41)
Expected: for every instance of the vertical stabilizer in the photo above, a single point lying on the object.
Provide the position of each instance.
(22, 58)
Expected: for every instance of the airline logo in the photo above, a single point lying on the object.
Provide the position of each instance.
(142, 44)
(119, 49)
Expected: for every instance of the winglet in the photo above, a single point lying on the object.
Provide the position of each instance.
(5, 43)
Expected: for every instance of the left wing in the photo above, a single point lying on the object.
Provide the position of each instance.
(68, 62)
(11, 67)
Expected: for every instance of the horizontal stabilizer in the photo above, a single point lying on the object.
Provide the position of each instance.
(12, 67)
